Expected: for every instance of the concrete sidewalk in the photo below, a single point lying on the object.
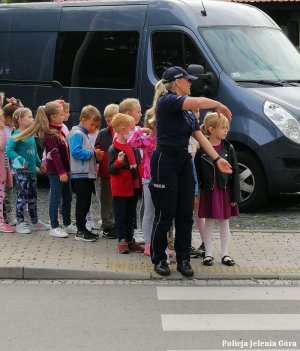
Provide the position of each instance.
(274, 255)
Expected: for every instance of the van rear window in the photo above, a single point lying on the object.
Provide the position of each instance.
(96, 59)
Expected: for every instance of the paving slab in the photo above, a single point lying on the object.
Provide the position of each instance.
(259, 255)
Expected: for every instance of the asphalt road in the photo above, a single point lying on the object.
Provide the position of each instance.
(115, 316)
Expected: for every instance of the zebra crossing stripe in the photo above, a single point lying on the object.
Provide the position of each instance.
(221, 322)
(228, 293)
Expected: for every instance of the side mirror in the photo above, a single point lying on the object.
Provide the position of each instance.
(206, 85)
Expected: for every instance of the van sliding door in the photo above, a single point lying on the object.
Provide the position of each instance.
(97, 54)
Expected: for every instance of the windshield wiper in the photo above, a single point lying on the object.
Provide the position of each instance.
(261, 81)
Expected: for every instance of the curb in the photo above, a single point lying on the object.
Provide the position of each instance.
(44, 273)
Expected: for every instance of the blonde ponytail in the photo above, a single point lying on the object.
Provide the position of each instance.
(40, 127)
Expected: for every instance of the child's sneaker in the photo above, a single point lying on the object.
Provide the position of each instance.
(123, 247)
(85, 235)
(39, 225)
(11, 218)
(138, 237)
(23, 228)
(6, 228)
(70, 229)
(109, 233)
(135, 247)
(147, 249)
(58, 233)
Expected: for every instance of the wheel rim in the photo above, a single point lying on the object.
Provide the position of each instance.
(247, 182)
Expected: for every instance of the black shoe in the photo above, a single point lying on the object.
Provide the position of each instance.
(194, 253)
(162, 268)
(109, 233)
(85, 235)
(185, 268)
(201, 249)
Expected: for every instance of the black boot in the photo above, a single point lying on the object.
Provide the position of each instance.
(162, 268)
(185, 268)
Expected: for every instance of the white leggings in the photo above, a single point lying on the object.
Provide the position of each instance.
(224, 236)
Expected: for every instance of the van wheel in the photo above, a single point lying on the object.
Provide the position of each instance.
(252, 182)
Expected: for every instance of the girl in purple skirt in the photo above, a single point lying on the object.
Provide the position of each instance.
(220, 192)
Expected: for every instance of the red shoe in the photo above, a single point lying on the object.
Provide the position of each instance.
(123, 247)
(135, 247)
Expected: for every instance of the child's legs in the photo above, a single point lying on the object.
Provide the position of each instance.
(32, 198)
(200, 222)
(66, 202)
(83, 189)
(120, 210)
(2, 197)
(22, 195)
(54, 199)
(149, 213)
(8, 199)
(224, 236)
(130, 216)
(208, 235)
(107, 214)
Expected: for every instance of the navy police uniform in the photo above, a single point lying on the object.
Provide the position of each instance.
(172, 184)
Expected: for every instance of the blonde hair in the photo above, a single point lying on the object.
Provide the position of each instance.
(111, 110)
(213, 120)
(19, 113)
(161, 89)
(149, 120)
(122, 120)
(40, 126)
(90, 112)
(128, 105)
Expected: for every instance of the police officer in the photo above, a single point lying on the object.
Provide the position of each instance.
(172, 184)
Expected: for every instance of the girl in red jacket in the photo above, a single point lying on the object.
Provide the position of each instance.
(125, 181)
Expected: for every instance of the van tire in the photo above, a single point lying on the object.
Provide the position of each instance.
(253, 185)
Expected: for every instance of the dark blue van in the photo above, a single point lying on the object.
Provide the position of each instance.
(103, 51)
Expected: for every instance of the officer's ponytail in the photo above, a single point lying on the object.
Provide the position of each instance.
(161, 88)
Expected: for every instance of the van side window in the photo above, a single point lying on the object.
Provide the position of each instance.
(174, 49)
(96, 59)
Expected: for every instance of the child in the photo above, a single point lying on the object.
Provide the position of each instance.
(124, 178)
(220, 192)
(90, 223)
(103, 142)
(8, 111)
(66, 108)
(200, 222)
(48, 122)
(144, 138)
(83, 168)
(132, 107)
(22, 152)
(5, 176)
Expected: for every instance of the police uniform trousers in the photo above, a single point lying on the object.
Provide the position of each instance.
(172, 190)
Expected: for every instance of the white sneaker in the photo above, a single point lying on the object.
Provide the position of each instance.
(23, 228)
(11, 218)
(138, 237)
(70, 229)
(58, 233)
(39, 225)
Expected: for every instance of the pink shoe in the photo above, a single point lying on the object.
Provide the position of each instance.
(147, 249)
(6, 228)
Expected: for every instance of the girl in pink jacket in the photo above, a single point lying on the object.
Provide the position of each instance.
(5, 176)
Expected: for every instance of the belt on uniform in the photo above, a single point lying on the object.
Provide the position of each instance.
(171, 150)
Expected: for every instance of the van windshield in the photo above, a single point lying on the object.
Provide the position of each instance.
(254, 54)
